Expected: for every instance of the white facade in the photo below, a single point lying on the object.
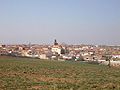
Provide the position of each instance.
(116, 56)
(43, 56)
(56, 50)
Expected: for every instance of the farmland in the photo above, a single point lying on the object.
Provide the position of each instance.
(35, 74)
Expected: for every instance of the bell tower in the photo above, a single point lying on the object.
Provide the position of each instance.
(55, 42)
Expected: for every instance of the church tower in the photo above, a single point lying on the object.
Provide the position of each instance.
(55, 42)
(56, 48)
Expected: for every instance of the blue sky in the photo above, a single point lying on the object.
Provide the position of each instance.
(68, 21)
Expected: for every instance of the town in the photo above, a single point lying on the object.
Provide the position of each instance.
(63, 52)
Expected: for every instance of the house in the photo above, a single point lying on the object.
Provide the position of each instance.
(43, 56)
(115, 56)
(29, 53)
(88, 58)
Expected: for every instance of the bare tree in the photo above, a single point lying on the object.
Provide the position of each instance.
(108, 57)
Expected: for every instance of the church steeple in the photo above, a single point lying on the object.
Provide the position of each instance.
(55, 42)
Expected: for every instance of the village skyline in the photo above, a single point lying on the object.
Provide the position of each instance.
(72, 22)
(61, 43)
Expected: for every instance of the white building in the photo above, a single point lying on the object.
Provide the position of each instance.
(116, 56)
(56, 49)
(43, 56)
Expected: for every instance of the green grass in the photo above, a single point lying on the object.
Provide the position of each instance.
(35, 74)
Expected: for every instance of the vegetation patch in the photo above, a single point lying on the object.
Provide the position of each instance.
(36, 74)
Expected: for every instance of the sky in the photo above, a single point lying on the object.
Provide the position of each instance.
(68, 21)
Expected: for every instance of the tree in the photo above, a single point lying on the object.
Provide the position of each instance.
(108, 57)
(62, 51)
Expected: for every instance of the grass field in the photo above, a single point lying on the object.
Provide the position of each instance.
(35, 74)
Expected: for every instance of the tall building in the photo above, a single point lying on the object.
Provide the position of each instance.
(56, 48)
(55, 42)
